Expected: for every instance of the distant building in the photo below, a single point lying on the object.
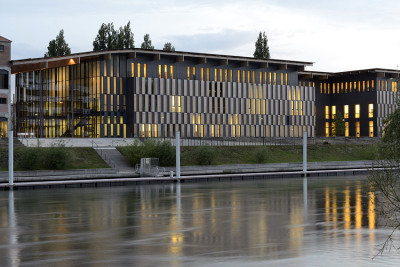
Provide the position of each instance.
(5, 70)
(153, 93)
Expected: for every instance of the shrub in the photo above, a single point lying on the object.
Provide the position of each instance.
(204, 155)
(164, 151)
(260, 154)
(27, 158)
(55, 158)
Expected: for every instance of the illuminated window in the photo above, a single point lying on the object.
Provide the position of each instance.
(208, 74)
(138, 69)
(260, 77)
(372, 84)
(159, 71)
(275, 78)
(231, 75)
(248, 77)
(215, 75)
(238, 76)
(226, 75)
(145, 70)
(333, 89)
(165, 71)
(270, 78)
(346, 87)
(171, 70)
(133, 69)
(286, 78)
(173, 103)
(220, 75)
(202, 74)
(333, 112)
(370, 110)
(179, 104)
(254, 76)
(327, 112)
(327, 129)
(346, 111)
(212, 131)
(363, 86)
(371, 129)
(357, 111)
(244, 76)
(346, 129)
(357, 129)
(188, 73)
(194, 73)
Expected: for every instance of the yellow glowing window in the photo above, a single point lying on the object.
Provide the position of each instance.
(188, 73)
(208, 74)
(260, 77)
(386, 85)
(179, 104)
(165, 71)
(212, 131)
(346, 111)
(220, 75)
(327, 112)
(372, 83)
(138, 69)
(346, 129)
(244, 76)
(275, 78)
(327, 129)
(350, 86)
(215, 75)
(363, 86)
(334, 89)
(270, 77)
(333, 112)
(237, 118)
(357, 128)
(238, 76)
(133, 69)
(370, 110)
(286, 79)
(171, 70)
(265, 77)
(145, 70)
(202, 74)
(173, 103)
(357, 111)
(194, 73)
(254, 76)
(371, 129)
(367, 85)
(346, 87)
(282, 78)
(159, 71)
(231, 75)
(226, 75)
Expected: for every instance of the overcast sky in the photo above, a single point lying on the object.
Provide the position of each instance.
(335, 35)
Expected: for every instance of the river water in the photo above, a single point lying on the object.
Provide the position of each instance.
(279, 222)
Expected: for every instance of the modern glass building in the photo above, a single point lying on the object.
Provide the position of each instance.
(5, 55)
(152, 93)
(143, 93)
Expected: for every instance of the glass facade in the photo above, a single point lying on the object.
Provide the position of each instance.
(77, 100)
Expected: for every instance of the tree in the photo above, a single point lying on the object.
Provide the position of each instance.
(262, 49)
(168, 47)
(58, 47)
(338, 129)
(384, 179)
(109, 38)
(147, 42)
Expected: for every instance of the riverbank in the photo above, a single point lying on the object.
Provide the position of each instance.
(108, 177)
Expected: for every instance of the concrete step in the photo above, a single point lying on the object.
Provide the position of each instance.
(114, 159)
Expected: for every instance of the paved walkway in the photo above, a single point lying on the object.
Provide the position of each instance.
(114, 159)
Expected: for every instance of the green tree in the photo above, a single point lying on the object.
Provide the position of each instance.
(168, 47)
(339, 128)
(109, 38)
(262, 48)
(384, 179)
(58, 47)
(147, 42)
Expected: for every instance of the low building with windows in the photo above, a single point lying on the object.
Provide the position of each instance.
(364, 98)
(5, 70)
(153, 93)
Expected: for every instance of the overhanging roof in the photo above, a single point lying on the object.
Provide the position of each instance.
(31, 64)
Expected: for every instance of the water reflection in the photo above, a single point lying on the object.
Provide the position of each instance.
(180, 224)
